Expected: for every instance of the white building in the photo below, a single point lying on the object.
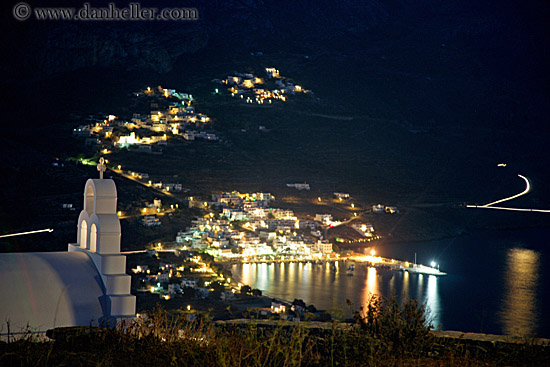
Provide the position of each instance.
(127, 140)
(391, 209)
(150, 221)
(163, 277)
(299, 186)
(323, 218)
(189, 283)
(234, 214)
(189, 135)
(86, 285)
(174, 288)
(324, 247)
(157, 203)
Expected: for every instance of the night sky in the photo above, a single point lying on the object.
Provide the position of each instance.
(436, 92)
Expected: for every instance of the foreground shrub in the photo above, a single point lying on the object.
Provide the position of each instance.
(400, 329)
(386, 333)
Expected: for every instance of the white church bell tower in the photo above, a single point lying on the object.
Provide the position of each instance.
(98, 235)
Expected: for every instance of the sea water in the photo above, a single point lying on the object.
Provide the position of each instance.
(497, 282)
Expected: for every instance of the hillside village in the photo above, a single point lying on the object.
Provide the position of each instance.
(171, 114)
(232, 226)
(248, 228)
(254, 89)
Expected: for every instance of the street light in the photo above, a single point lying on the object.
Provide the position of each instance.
(433, 264)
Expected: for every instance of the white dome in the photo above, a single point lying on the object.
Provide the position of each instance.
(49, 289)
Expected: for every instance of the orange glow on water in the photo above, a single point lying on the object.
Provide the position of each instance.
(519, 313)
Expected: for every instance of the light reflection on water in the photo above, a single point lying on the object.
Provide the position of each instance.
(419, 287)
(433, 302)
(328, 289)
(372, 284)
(519, 311)
(517, 288)
(497, 282)
(406, 284)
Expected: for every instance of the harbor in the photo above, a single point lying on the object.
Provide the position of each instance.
(397, 265)
(348, 263)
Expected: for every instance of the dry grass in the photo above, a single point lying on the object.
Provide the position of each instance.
(386, 334)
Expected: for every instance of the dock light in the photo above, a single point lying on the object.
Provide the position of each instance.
(433, 264)
(119, 166)
(188, 307)
(119, 213)
(352, 205)
(319, 198)
(372, 252)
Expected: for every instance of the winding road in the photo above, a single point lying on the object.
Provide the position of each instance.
(527, 189)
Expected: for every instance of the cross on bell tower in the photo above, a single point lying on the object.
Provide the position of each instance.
(101, 167)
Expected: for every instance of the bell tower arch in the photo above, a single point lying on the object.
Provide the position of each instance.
(99, 236)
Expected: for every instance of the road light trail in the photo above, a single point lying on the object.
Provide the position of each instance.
(511, 209)
(24, 233)
(144, 251)
(527, 189)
